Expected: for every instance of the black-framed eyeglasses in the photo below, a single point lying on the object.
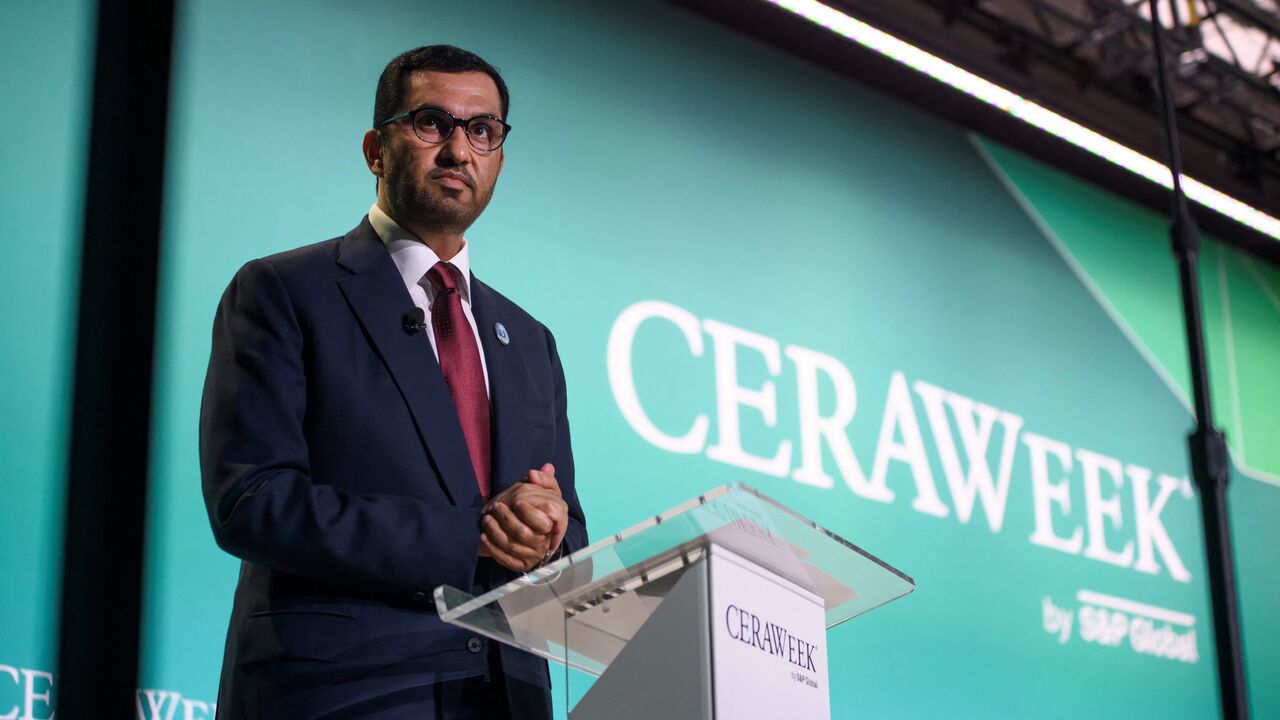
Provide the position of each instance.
(433, 126)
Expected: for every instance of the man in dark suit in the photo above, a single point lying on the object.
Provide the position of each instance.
(377, 422)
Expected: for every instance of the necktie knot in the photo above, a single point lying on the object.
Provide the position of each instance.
(444, 277)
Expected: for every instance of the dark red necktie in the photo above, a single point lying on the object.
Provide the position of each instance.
(460, 363)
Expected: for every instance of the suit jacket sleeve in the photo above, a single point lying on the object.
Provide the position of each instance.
(264, 506)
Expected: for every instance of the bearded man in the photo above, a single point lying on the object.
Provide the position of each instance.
(378, 422)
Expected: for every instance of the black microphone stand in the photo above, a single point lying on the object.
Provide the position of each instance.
(1208, 445)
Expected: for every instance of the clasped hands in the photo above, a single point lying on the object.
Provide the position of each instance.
(520, 526)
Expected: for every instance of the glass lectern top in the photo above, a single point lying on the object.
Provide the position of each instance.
(614, 585)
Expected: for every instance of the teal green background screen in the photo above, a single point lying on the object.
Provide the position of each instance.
(976, 299)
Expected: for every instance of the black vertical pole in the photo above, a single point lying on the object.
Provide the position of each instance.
(1207, 444)
(111, 409)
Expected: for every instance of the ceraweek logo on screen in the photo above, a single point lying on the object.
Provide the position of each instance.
(32, 698)
(1120, 524)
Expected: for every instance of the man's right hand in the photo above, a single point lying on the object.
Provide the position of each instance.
(524, 522)
(515, 543)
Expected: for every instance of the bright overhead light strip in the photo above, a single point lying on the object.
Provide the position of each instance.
(1026, 110)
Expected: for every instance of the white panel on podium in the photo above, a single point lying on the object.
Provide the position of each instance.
(768, 642)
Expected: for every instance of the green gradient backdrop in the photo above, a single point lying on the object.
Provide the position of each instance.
(45, 64)
(648, 163)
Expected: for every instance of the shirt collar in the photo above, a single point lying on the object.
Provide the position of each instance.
(412, 256)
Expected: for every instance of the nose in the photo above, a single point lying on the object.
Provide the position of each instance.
(456, 149)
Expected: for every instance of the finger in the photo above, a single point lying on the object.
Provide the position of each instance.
(493, 530)
(493, 551)
(553, 508)
(559, 512)
(525, 519)
(527, 490)
(538, 520)
(556, 509)
(500, 498)
(527, 555)
(514, 528)
(557, 536)
(515, 556)
(538, 551)
(544, 480)
(504, 558)
(531, 546)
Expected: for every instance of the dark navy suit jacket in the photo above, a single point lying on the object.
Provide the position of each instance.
(335, 467)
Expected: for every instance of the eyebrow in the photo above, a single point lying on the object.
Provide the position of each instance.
(430, 106)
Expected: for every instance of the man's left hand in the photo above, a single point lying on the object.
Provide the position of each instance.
(526, 521)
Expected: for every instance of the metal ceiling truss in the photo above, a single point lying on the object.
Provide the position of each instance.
(1226, 56)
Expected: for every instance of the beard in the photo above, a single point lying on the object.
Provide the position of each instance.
(424, 202)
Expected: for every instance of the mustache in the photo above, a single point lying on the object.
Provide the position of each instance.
(459, 173)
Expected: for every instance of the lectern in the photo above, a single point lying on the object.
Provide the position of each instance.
(717, 608)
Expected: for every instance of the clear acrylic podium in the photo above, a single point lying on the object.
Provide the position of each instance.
(716, 608)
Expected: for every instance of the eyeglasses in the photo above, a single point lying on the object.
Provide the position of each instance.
(433, 126)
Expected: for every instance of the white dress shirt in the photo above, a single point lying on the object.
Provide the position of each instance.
(413, 258)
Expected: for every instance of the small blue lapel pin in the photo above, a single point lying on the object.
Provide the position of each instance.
(501, 331)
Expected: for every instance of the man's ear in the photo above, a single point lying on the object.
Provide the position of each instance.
(372, 147)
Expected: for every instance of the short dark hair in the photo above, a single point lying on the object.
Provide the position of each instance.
(437, 58)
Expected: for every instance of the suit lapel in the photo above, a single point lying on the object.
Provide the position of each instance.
(377, 296)
(508, 383)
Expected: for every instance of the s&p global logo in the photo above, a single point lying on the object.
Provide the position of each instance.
(770, 638)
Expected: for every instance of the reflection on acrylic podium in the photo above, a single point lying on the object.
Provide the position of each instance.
(717, 608)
